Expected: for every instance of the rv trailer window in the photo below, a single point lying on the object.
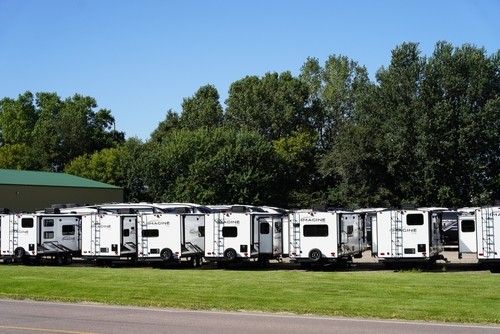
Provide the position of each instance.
(264, 228)
(27, 222)
(150, 233)
(229, 231)
(350, 230)
(315, 230)
(48, 235)
(415, 219)
(68, 229)
(468, 226)
(48, 223)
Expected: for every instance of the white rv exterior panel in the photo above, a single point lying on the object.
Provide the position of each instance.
(488, 234)
(467, 233)
(406, 235)
(232, 236)
(59, 233)
(108, 235)
(312, 232)
(159, 235)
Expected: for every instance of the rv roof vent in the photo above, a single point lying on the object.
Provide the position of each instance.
(408, 206)
(4, 210)
(239, 208)
(183, 210)
(126, 211)
(497, 202)
(58, 206)
(52, 210)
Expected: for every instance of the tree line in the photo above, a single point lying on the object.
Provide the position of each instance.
(426, 132)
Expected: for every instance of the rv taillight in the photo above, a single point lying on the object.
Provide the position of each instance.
(294, 254)
(333, 254)
(382, 254)
(176, 253)
(424, 254)
(481, 254)
(246, 254)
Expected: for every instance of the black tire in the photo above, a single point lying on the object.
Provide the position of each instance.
(166, 254)
(194, 262)
(315, 255)
(230, 254)
(19, 253)
(68, 259)
(59, 260)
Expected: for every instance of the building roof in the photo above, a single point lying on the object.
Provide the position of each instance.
(47, 179)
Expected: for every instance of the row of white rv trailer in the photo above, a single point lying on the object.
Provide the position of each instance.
(147, 232)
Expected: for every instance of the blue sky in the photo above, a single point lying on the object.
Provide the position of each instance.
(141, 58)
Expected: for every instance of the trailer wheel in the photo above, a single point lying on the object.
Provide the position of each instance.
(68, 259)
(19, 253)
(166, 254)
(195, 261)
(315, 255)
(59, 260)
(230, 254)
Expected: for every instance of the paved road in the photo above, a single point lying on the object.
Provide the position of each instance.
(28, 317)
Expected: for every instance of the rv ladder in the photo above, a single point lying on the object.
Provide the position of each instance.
(13, 232)
(488, 232)
(218, 235)
(296, 236)
(95, 231)
(143, 224)
(396, 234)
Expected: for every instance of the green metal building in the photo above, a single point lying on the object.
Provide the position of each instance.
(29, 191)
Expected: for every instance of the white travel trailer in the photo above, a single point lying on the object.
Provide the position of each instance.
(478, 232)
(32, 237)
(173, 236)
(407, 235)
(330, 236)
(244, 233)
(108, 236)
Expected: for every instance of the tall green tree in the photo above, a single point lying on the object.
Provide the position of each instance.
(120, 166)
(17, 119)
(400, 109)
(460, 129)
(202, 110)
(341, 98)
(274, 105)
(172, 122)
(208, 166)
(56, 131)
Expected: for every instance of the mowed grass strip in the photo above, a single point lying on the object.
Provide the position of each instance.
(472, 297)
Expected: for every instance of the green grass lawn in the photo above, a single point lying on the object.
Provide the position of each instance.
(452, 297)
